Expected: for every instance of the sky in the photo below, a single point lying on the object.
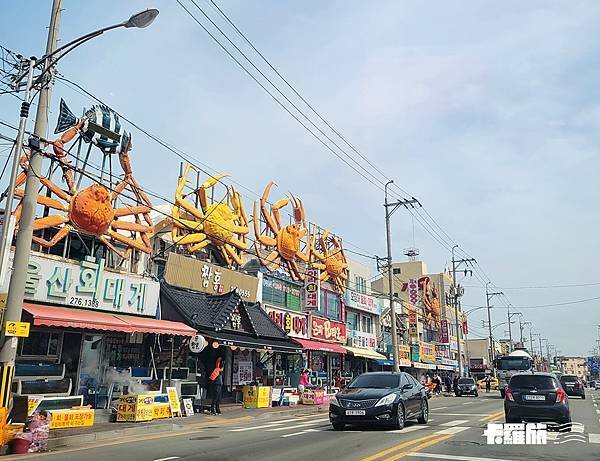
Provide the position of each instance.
(487, 112)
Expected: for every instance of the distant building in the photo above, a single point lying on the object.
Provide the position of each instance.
(574, 366)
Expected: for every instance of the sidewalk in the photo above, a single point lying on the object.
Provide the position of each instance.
(105, 431)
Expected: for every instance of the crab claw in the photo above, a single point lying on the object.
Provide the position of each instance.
(298, 209)
(211, 181)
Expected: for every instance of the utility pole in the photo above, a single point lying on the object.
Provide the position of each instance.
(510, 346)
(389, 210)
(456, 295)
(14, 303)
(531, 339)
(488, 297)
(24, 115)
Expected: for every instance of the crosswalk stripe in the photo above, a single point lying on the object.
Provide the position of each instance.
(453, 430)
(299, 433)
(468, 403)
(440, 456)
(406, 430)
(253, 428)
(285, 428)
(456, 422)
(462, 414)
(594, 438)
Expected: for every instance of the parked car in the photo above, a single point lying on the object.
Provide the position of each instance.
(466, 386)
(388, 398)
(493, 384)
(536, 397)
(572, 385)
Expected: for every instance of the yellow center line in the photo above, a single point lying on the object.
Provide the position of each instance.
(418, 448)
(492, 416)
(398, 447)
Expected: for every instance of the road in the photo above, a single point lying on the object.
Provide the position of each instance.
(455, 432)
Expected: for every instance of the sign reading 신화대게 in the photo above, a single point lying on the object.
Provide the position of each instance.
(87, 285)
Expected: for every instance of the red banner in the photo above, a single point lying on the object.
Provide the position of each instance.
(327, 330)
(465, 327)
(444, 337)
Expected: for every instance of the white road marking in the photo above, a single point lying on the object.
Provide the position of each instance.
(453, 430)
(406, 429)
(439, 408)
(285, 428)
(299, 433)
(456, 422)
(253, 428)
(594, 438)
(468, 403)
(453, 457)
(167, 459)
(598, 411)
(462, 414)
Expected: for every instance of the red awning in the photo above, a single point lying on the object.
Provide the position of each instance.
(319, 346)
(92, 320)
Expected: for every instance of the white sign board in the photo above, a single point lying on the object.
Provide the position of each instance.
(197, 343)
(363, 340)
(362, 302)
(88, 285)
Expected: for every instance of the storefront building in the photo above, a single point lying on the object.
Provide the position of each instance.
(91, 328)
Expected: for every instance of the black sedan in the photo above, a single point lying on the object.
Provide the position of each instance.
(387, 398)
(536, 397)
(572, 385)
(466, 386)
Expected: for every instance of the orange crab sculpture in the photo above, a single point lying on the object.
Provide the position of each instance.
(430, 301)
(277, 244)
(93, 209)
(224, 223)
(328, 256)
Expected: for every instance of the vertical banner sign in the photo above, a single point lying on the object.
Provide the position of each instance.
(413, 320)
(444, 337)
(311, 289)
(465, 327)
(174, 401)
(413, 291)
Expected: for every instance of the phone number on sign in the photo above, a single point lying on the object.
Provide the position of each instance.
(83, 302)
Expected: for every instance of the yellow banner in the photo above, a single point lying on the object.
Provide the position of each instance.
(71, 418)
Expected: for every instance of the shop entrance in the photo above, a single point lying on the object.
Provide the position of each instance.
(71, 352)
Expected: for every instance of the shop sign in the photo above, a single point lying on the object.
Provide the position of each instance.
(19, 329)
(450, 362)
(453, 344)
(362, 340)
(242, 368)
(444, 335)
(71, 418)
(295, 325)
(134, 407)
(89, 286)
(465, 327)
(415, 353)
(173, 401)
(197, 343)
(404, 357)
(161, 410)
(193, 274)
(413, 291)
(311, 290)
(281, 293)
(362, 302)
(427, 352)
(327, 330)
(413, 323)
(441, 351)
(188, 407)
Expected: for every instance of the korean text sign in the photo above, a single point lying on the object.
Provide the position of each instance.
(311, 290)
(89, 285)
(328, 330)
(362, 302)
(295, 325)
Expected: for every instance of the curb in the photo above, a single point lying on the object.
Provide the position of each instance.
(67, 441)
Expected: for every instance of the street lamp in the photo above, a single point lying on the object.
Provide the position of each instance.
(14, 304)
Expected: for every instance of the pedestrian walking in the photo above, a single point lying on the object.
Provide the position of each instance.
(216, 378)
(455, 384)
(448, 383)
(488, 383)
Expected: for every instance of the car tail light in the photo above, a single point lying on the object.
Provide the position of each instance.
(561, 395)
(508, 394)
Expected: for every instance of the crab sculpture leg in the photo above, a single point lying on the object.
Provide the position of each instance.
(266, 238)
(61, 154)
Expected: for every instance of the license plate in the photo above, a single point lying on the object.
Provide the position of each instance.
(570, 384)
(356, 412)
(534, 397)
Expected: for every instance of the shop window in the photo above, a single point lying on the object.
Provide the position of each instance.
(360, 284)
(41, 344)
(367, 324)
(352, 320)
(396, 270)
(333, 306)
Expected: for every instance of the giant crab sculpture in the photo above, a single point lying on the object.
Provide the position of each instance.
(328, 256)
(430, 301)
(93, 209)
(278, 244)
(224, 223)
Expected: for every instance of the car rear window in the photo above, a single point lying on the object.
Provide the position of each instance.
(537, 381)
(568, 379)
(466, 381)
(376, 381)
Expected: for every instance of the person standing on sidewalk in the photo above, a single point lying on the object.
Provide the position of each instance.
(488, 383)
(216, 378)
(303, 381)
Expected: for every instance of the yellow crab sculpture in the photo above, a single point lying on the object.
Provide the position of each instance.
(328, 256)
(277, 244)
(224, 223)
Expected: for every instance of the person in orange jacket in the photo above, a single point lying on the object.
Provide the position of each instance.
(216, 378)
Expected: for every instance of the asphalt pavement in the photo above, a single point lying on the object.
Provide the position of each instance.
(455, 432)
